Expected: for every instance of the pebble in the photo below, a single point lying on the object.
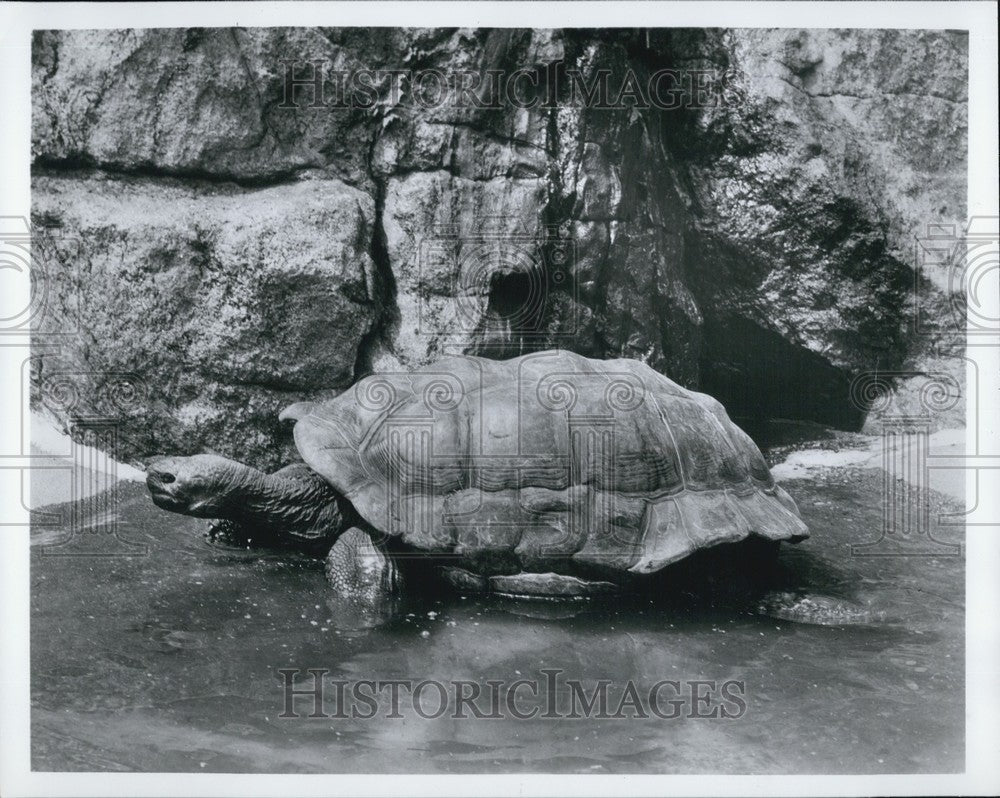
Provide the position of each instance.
(425, 633)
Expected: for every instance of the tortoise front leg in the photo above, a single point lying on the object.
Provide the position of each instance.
(360, 570)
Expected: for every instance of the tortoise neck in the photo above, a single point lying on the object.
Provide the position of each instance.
(249, 491)
(278, 503)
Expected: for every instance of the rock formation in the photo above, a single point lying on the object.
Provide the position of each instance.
(220, 217)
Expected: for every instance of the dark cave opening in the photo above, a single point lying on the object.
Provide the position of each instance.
(514, 314)
(510, 294)
(759, 376)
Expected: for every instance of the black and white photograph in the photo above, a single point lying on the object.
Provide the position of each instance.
(501, 398)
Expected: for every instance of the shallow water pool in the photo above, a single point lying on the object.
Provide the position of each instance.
(169, 660)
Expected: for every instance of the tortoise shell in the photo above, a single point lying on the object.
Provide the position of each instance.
(546, 462)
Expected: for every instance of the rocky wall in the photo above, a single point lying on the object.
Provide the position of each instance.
(237, 242)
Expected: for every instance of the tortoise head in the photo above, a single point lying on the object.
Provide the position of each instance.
(203, 485)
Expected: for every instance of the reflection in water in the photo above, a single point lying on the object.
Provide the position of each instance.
(170, 661)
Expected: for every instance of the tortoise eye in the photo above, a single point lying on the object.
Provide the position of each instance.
(164, 477)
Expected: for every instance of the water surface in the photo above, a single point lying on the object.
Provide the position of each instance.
(169, 660)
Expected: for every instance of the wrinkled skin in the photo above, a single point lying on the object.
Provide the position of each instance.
(293, 506)
(203, 485)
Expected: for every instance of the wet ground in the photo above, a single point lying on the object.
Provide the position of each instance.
(169, 660)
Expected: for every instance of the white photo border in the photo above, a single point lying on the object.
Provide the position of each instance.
(982, 775)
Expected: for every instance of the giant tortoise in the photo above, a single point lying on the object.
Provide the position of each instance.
(550, 474)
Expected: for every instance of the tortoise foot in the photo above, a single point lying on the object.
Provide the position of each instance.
(360, 570)
(464, 581)
(225, 534)
(549, 586)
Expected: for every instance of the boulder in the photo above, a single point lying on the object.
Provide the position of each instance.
(225, 303)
